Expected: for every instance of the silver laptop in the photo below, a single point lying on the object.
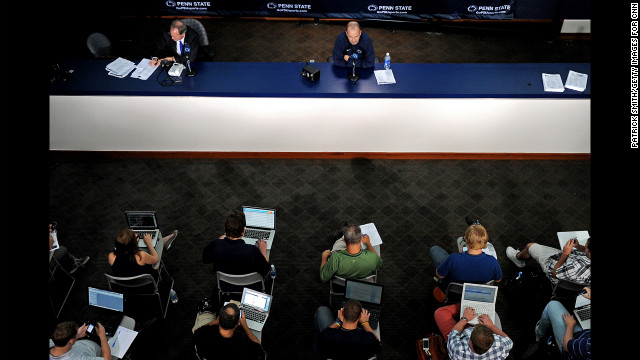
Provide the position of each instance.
(482, 298)
(261, 224)
(582, 312)
(142, 222)
(256, 306)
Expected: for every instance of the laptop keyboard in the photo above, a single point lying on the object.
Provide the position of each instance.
(480, 310)
(584, 313)
(252, 314)
(257, 234)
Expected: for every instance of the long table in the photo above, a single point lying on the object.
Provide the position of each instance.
(430, 108)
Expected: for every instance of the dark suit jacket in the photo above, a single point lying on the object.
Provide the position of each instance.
(167, 47)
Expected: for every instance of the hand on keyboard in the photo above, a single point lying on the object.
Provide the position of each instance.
(485, 319)
(364, 316)
(469, 313)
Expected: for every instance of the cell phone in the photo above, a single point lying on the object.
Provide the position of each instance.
(464, 248)
(89, 328)
(425, 345)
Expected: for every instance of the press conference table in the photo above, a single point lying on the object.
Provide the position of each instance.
(205, 112)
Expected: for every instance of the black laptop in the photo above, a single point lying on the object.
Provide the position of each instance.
(368, 294)
(105, 307)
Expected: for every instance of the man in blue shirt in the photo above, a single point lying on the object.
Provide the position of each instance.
(574, 341)
(353, 45)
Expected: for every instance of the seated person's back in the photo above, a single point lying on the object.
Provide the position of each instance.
(472, 265)
(354, 262)
(128, 260)
(212, 345)
(338, 344)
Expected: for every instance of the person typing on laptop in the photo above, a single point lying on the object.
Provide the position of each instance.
(230, 254)
(350, 260)
(482, 341)
(348, 337)
(68, 341)
(571, 338)
(225, 337)
(127, 259)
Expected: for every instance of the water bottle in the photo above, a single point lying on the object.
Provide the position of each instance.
(273, 271)
(174, 296)
(387, 61)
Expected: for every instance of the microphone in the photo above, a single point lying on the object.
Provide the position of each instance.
(354, 77)
(187, 52)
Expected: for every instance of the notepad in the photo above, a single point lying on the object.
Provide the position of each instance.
(143, 70)
(121, 340)
(385, 77)
(552, 82)
(576, 81)
(374, 236)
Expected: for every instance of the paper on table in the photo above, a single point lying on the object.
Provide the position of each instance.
(55, 244)
(121, 341)
(385, 77)
(576, 81)
(143, 70)
(120, 67)
(374, 236)
(564, 236)
(552, 82)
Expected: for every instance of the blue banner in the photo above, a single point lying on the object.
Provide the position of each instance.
(357, 9)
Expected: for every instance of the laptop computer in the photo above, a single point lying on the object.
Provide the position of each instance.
(582, 312)
(142, 222)
(105, 307)
(368, 294)
(261, 224)
(256, 306)
(482, 298)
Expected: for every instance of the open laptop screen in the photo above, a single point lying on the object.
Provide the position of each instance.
(363, 291)
(106, 299)
(262, 218)
(479, 293)
(256, 299)
(142, 220)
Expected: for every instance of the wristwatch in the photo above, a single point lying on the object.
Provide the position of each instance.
(464, 318)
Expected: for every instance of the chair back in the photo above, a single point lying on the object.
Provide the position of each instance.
(99, 45)
(199, 28)
(140, 285)
(243, 280)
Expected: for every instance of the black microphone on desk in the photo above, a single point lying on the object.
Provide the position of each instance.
(353, 76)
(187, 52)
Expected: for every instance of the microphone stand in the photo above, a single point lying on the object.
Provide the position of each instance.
(190, 72)
(353, 76)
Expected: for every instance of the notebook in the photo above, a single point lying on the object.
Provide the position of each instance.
(261, 224)
(482, 298)
(369, 295)
(564, 236)
(582, 312)
(256, 306)
(105, 307)
(142, 222)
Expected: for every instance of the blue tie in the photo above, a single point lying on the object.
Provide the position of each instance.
(181, 47)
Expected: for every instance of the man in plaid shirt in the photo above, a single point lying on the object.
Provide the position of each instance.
(482, 341)
(572, 263)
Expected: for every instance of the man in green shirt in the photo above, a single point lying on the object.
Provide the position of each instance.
(350, 261)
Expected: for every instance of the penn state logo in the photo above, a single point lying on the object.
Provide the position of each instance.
(472, 8)
(171, 3)
(372, 7)
(271, 5)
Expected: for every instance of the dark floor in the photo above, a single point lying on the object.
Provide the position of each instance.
(414, 204)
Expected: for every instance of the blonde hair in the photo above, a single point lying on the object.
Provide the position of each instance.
(476, 237)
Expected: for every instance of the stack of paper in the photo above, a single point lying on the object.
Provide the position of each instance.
(120, 67)
(143, 70)
(385, 77)
(575, 81)
(552, 82)
(121, 341)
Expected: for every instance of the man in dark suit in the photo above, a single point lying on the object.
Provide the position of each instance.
(171, 45)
